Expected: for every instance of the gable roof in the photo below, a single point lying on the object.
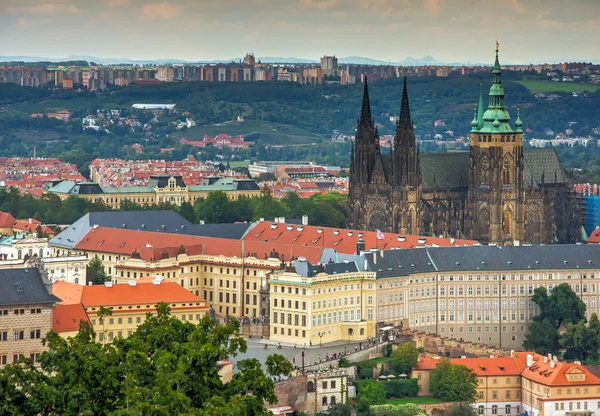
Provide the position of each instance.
(594, 236)
(23, 287)
(141, 293)
(160, 221)
(543, 162)
(540, 372)
(68, 293)
(6, 220)
(341, 240)
(66, 318)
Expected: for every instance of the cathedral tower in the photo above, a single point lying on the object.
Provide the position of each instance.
(496, 170)
(406, 173)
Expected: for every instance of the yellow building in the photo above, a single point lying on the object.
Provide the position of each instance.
(160, 188)
(525, 383)
(312, 305)
(129, 304)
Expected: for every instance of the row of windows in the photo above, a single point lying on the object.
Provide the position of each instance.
(297, 319)
(289, 332)
(507, 410)
(507, 394)
(19, 334)
(34, 356)
(296, 304)
(329, 318)
(21, 311)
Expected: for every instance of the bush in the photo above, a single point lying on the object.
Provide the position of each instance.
(395, 389)
(365, 373)
(344, 362)
(397, 410)
(388, 349)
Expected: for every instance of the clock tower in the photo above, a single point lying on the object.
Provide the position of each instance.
(496, 178)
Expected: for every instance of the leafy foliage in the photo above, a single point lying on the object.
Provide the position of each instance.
(340, 409)
(404, 358)
(563, 306)
(397, 410)
(373, 391)
(453, 382)
(166, 367)
(581, 341)
(460, 409)
(95, 272)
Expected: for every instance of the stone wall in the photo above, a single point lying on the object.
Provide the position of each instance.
(293, 392)
(353, 357)
(449, 347)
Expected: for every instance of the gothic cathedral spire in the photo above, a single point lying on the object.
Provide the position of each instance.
(365, 112)
(404, 121)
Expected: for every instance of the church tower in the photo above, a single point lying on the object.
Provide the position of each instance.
(496, 170)
(370, 194)
(406, 177)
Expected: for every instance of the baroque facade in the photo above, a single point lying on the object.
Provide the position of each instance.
(495, 193)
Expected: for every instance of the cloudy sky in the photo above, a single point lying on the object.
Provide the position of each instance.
(448, 30)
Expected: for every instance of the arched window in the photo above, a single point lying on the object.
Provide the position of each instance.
(332, 400)
(41, 252)
(77, 280)
(310, 387)
(480, 410)
(507, 409)
(19, 254)
(494, 410)
(506, 222)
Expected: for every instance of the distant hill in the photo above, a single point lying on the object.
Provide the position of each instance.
(253, 130)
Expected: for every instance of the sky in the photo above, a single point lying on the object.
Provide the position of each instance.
(529, 31)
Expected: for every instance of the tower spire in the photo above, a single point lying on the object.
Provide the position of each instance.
(365, 112)
(480, 106)
(496, 90)
(404, 121)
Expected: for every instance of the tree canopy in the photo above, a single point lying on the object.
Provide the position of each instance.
(95, 273)
(453, 382)
(372, 391)
(561, 307)
(166, 367)
(404, 358)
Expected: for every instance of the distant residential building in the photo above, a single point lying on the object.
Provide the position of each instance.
(67, 84)
(160, 188)
(219, 141)
(249, 59)
(329, 65)
(165, 74)
(25, 314)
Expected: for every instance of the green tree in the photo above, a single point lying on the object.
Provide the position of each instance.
(278, 365)
(167, 366)
(267, 207)
(562, 307)
(453, 382)
(581, 341)
(363, 408)
(95, 273)
(186, 210)
(397, 410)
(215, 209)
(373, 391)
(404, 358)
(340, 409)
(460, 409)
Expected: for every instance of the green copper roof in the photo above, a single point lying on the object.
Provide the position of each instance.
(495, 119)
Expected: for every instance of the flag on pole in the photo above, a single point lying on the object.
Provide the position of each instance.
(379, 235)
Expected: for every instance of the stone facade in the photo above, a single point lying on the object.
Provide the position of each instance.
(22, 328)
(496, 193)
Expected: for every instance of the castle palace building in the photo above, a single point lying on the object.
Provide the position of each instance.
(495, 193)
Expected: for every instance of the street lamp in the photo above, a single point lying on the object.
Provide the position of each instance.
(321, 338)
(302, 360)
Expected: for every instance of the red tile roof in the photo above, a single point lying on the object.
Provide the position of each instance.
(151, 245)
(594, 236)
(341, 240)
(6, 220)
(141, 293)
(540, 372)
(66, 318)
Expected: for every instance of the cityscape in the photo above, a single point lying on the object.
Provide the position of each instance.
(356, 233)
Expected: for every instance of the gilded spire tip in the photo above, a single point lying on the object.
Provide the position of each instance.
(497, 46)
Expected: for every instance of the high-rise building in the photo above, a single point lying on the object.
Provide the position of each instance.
(249, 59)
(329, 65)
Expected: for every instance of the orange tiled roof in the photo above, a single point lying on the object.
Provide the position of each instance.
(66, 318)
(141, 293)
(69, 293)
(540, 372)
(344, 241)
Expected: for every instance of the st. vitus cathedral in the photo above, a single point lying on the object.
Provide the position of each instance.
(495, 193)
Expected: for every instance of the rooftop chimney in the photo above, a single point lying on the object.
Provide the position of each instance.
(552, 363)
(108, 284)
(360, 246)
(529, 360)
(305, 220)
